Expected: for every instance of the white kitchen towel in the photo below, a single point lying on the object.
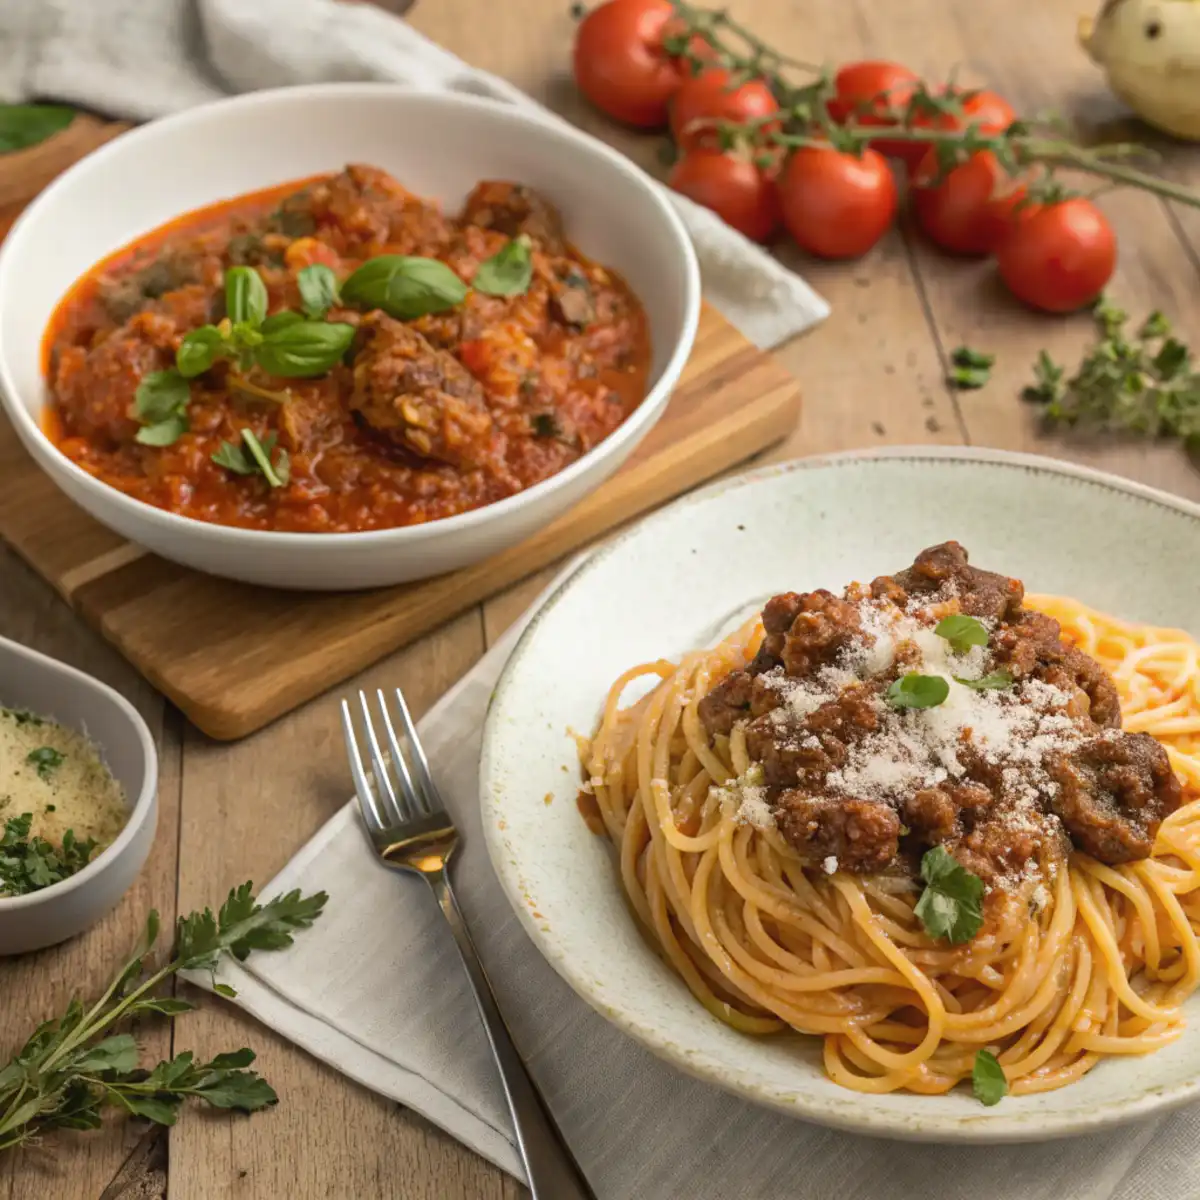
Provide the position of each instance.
(376, 990)
(143, 58)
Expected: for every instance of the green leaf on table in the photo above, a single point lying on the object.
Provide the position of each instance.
(25, 125)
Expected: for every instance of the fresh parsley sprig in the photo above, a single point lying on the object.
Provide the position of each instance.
(30, 864)
(951, 906)
(72, 1067)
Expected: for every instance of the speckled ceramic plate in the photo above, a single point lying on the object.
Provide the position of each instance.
(677, 580)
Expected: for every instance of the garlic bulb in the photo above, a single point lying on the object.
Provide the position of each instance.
(1150, 51)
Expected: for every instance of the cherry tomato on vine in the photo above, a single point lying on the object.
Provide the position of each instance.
(621, 65)
(863, 91)
(987, 110)
(969, 210)
(836, 205)
(708, 96)
(1058, 257)
(741, 194)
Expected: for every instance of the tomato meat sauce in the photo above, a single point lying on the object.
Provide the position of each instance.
(419, 420)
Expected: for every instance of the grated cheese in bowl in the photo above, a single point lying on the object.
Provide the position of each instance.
(54, 786)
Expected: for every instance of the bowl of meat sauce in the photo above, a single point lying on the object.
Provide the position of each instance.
(342, 336)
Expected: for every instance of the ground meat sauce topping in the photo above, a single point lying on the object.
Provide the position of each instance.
(422, 419)
(1006, 778)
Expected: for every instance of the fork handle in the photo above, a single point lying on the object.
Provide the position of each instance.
(550, 1167)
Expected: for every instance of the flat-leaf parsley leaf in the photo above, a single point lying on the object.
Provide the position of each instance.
(951, 906)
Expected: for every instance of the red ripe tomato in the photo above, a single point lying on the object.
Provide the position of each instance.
(621, 65)
(733, 187)
(969, 210)
(864, 91)
(1058, 257)
(708, 96)
(836, 205)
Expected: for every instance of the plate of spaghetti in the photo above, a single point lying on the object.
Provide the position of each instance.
(868, 787)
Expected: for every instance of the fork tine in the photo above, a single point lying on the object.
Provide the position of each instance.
(410, 799)
(362, 786)
(383, 782)
(428, 790)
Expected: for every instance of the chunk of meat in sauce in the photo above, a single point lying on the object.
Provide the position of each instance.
(1113, 794)
(1108, 798)
(945, 568)
(513, 209)
(99, 386)
(422, 398)
(863, 835)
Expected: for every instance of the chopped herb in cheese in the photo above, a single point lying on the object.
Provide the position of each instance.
(59, 804)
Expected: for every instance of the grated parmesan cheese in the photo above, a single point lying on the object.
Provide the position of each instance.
(76, 792)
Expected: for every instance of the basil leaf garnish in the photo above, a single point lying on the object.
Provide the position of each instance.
(163, 433)
(962, 632)
(245, 296)
(991, 682)
(318, 290)
(160, 394)
(279, 321)
(918, 691)
(234, 458)
(404, 287)
(509, 271)
(951, 906)
(277, 475)
(24, 125)
(198, 351)
(988, 1080)
(302, 349)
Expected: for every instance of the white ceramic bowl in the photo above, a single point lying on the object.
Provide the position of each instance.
(438, 146)
(52, 689)
(686, 576)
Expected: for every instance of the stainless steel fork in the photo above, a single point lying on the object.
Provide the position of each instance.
(411, 831)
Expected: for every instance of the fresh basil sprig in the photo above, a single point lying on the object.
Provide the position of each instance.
(951, 906)
(253, 456)
(509, 271)
(287, 344)
(918, 691)
(404, 287)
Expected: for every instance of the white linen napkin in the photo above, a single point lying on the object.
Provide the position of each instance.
(386, 1002)
(143, 58)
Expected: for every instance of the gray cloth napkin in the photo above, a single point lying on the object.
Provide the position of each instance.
(143, 58)
(385, 1001)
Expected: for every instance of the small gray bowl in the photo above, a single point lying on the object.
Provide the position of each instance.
(52, 689)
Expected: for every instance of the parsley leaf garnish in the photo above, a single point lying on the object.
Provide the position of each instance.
(962, 632)
(46, 759)
(988, 1080)
(30, 864)
(73, 1067)
(993, 681)
(918, 691)
(970, 368)
(951, 906)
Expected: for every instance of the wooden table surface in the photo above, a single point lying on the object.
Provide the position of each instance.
(872, 375)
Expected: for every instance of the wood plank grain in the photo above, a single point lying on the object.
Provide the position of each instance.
(246, 809)
(36, 986)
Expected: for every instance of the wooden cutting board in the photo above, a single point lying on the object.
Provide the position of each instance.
(234, 657)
